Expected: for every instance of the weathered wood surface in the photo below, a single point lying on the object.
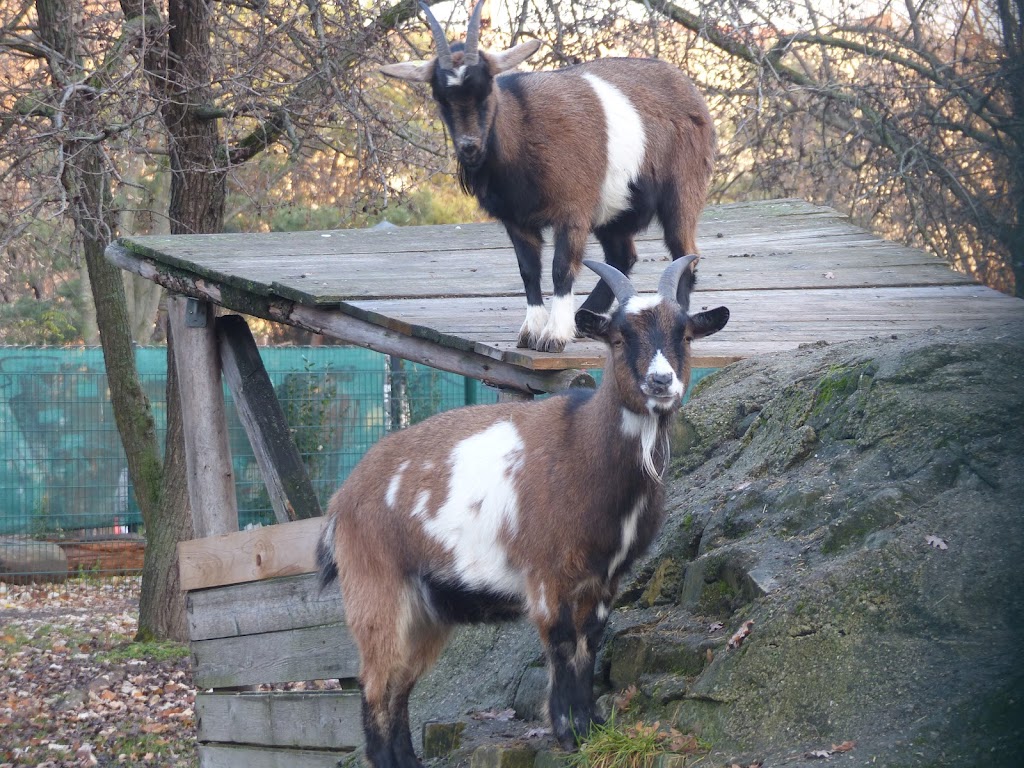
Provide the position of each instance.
(211, 480)
(223, 756)
(307, 653)
(286, 549)
(291, 493)
(274, 605)
(790, 272)
(311, 720)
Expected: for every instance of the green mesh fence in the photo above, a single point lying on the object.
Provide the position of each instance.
(63, 474)
(62, 467)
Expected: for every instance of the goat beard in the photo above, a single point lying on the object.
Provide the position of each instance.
(472, 181)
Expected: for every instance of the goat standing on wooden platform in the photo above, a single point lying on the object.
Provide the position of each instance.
(598, 147)
(483, 513)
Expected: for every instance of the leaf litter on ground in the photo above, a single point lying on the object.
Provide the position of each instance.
(77, 691)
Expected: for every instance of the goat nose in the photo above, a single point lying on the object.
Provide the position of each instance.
(659, 383)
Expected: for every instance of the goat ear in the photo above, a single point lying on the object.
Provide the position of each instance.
(592, 324)
(513, 57)
(416, 71)
(705, 323)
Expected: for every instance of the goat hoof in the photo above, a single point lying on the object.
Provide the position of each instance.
(549, 345)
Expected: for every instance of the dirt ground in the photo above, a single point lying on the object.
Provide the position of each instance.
(75, 690)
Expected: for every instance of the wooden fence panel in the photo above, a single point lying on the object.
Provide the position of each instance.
(224, 756)
(263, 606)
(309, 719)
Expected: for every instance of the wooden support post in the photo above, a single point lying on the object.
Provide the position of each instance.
(211, 482)
(288, 485)
(513, 396)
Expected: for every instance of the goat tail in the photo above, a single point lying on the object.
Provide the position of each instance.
(328, 567)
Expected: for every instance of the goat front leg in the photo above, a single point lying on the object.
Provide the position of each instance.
(570, 244)
(527, 244)
(571, 649)
(619, 252)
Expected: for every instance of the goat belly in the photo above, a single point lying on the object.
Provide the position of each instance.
(451, 602)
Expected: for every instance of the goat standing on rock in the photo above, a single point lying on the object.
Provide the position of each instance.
(598, 147)
(483, 513)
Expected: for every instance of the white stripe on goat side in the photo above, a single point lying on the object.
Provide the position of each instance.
(629, 526)
(481, 503)
(391, 497)
(625, 144)
(420, 508)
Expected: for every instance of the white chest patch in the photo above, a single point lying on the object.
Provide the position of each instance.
(625, 146)
(645, 429)
(629, 526)
(481, 503)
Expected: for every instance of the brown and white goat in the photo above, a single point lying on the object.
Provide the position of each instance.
(487, 512)
(599, 147)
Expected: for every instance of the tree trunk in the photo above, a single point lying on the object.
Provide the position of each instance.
(161, 607)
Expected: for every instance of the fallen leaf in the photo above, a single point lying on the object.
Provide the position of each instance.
(156, 727)
(623, 698)
(491, 714)
(536, 733)
(709, 656)
(829, 276)
(819, 754)
(715, 626)
(741, 634)
(936, 542)
(846, 746)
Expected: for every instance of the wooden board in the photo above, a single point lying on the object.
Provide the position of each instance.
(286, 549)
(310, 720)
(451, 296)
(309, 653)
(222, 756)
(275, 605)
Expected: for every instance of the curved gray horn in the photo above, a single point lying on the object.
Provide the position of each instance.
(472, 55)
(669, 283)
(618, 282)
(444, 53)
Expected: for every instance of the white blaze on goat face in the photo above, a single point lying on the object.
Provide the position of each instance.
(391, 497)
(625, 146)
(661, 365)
(456, 77)
(481, 506)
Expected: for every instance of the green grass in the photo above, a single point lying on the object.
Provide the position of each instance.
(146, 651)
(634, 746)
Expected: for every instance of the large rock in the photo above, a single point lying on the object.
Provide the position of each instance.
(863, 505)
(27, 560)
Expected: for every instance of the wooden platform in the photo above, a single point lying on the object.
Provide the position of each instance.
(790, 272)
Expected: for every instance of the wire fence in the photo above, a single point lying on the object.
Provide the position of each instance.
(66, 500)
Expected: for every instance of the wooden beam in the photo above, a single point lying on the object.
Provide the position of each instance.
(230, 756)
(307, 653)
(286, 549)
(288, 485)
(311, 720)
(211, 481)
(273, 605)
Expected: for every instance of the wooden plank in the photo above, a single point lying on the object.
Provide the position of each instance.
(309, 719)
(273, 605)
(291, 492)
(308, 653)
(286, 549)
(222, 756)
(211, 481)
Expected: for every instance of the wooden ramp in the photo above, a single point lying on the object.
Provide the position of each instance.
(451, 296)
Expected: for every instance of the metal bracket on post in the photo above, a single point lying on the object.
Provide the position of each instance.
(195, 313)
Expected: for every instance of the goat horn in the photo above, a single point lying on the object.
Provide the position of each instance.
(618, 282)
(444, 53)
(668, 286)
(472, 55)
